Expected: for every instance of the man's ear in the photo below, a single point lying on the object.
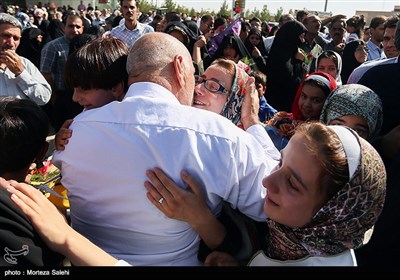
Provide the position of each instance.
(118, 91)
(179, 70)
(42, 152)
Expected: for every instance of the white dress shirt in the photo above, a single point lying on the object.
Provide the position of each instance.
(30, 84)
(104, 164)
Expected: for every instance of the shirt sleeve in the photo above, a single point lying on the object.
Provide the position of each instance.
(32, 83)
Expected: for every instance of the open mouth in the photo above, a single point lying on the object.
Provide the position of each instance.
(196, 102)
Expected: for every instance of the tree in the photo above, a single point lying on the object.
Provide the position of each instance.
(170, 5)
(145, 6)
(224, 11)
(264, 15)
(279, 13)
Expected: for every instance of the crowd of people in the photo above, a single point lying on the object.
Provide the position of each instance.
(229, 143)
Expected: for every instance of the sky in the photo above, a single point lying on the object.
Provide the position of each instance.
(345, 7)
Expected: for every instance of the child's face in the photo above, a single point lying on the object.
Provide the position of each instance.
(311, 101)
(230, 53)
(260, 89)
(92, 98)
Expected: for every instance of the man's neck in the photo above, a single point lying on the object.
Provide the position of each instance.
(131, 24)
(376, 43)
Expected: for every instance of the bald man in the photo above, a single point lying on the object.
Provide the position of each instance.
(105, 163)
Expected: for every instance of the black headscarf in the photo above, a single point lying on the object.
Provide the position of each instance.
(284, 72)
(348, 59)
(236, 43)
(190, 36)
(30, 47)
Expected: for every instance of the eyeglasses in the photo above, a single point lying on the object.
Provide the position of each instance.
(211, 85)
(360, 49)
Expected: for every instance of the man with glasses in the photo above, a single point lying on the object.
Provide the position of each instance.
(389, 50)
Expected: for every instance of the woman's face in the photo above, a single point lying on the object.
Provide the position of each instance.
(311, 101)
(328, 66)
(361, 53)
(357, 123)
(230, 53)
(294, 192)
(208, 100)
(254, 39)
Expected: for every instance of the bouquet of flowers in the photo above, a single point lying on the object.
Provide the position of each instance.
(47, 179)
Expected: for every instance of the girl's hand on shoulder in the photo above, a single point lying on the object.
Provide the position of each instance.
(175, 202)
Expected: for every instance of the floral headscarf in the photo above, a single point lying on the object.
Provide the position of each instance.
(233, 106)
(346, 219)
(358, 100)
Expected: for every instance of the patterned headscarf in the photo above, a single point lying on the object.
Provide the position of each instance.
(233, 106)
(357, 100)
(345, 221)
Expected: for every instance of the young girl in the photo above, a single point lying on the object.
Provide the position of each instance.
(307, 105)
(344, 174)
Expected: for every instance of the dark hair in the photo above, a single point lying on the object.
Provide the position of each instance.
(376, 21)
(172, 16)
(136, 1)
(260, 77)
(316, 83)
(300, 14)
(99, 64)
(24, 127)
(358, 23)
(391, 22)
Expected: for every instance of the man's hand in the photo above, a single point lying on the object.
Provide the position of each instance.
(13, 61)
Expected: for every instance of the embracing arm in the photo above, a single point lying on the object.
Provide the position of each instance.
(53, 228)
(185, 205)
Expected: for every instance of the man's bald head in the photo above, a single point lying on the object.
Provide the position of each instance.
(160, 58)
(153, 52)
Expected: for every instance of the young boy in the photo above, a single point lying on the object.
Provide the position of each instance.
(97, 73)
(266, 111)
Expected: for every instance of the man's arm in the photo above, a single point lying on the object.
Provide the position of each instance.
(33, 84)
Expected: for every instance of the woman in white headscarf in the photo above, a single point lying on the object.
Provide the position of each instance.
(330, 62)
